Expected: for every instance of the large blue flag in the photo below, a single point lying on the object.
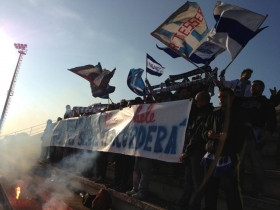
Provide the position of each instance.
(153, 67)
(135, 81)
(184, 30)
(234, 27)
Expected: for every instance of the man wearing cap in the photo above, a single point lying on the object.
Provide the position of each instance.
(240, 87)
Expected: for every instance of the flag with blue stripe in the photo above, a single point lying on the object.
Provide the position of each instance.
(184, 30)
(153, 67)
(234, 27)
(206, 52)
(135, 81)
(96, 92)
(99, 79)
(95, 75)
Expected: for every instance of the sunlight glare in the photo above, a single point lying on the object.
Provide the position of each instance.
(8, 58)
(8, 53)
(8, 61)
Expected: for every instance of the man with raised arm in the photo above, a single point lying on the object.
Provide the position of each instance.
(240, 87)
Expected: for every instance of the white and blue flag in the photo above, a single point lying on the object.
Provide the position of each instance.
(99, 79)
(205, 53)
(153, 67)
(234, 27)
(184, 30)
(135, 81)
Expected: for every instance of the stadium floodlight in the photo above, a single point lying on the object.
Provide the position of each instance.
(21, 47)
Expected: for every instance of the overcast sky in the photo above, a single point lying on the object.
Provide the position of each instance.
(68, 33)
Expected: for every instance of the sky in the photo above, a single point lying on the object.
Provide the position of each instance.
(68, 33)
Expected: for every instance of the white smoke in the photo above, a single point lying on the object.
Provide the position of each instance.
(55, 203)
(21, 160)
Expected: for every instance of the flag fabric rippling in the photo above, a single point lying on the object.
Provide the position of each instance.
(88, 72)
(99, 79)
(169, 51)
(96, 92)
(153, 67)
(234, 27)
(206, 52)
(184, 30)
(135, 81)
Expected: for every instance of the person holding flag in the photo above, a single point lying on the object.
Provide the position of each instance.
(240, 87)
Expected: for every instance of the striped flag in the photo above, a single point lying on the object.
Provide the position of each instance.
(135, 81)
(153, 67)
(88, 72)
(234, 27)
(99, 79)
(206, 52)
(184, 30)
(96, 92)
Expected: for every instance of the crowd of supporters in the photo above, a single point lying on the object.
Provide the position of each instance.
(217, 141)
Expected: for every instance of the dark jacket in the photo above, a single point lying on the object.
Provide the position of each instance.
(236, 133)
(260, 112)
(194, 139)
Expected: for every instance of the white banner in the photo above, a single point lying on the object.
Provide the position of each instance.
(155, 131)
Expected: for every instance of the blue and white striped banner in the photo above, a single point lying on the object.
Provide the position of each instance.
(234, 28)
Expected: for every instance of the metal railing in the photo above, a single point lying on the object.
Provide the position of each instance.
(31, 131)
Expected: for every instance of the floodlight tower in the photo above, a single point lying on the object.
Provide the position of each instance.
(22, 50)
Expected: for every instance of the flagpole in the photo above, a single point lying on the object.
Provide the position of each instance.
(144, 94)
(146, 67)
(109, 99)
(245, 44)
